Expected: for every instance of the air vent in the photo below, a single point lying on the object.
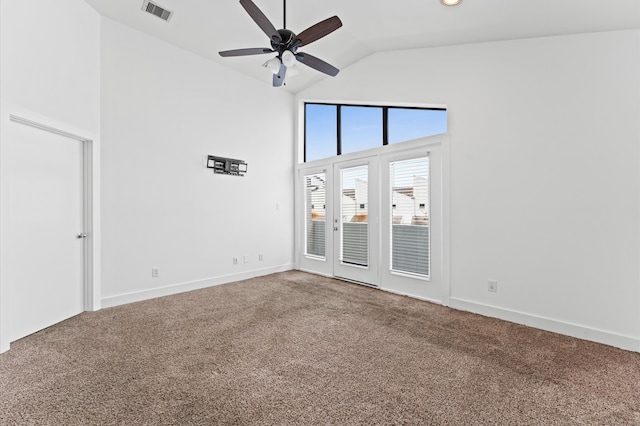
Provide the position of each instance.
(156, 10)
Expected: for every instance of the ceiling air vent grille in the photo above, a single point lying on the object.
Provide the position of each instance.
(156, 10)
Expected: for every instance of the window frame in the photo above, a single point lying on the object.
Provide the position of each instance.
(385, 121)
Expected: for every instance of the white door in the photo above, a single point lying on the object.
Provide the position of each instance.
(43, 229)
(355, 219)
(412, 223)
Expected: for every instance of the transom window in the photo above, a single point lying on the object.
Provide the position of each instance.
(335, 129)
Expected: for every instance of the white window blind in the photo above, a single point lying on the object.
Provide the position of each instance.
(354, 206)
(315, 214)
(410, 217)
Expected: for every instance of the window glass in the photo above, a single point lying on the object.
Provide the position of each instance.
(408, 124)
(316, 214)
(410, 216)
(321, 131)
(354, 207)
(361, 128)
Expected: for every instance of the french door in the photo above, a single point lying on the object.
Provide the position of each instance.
(379, 219)
(412, 226)
(355, 219)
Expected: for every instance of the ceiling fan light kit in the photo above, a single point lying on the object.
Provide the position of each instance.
(286, 43)
(288, 58)
(272, 65)
(451, 2)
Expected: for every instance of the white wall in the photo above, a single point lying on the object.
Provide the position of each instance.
(51, 59)
(49, 72)
(545, 178)
(163, 111)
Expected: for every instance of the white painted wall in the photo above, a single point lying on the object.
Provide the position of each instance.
(545, 172)
(163, 111)
(49, 72)
(50, 59)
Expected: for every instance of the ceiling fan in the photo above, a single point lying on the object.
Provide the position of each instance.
(286, 43)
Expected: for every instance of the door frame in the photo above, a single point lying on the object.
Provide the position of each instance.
(325, 266)
(11, 115)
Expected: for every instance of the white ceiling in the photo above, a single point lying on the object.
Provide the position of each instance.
(208, 26)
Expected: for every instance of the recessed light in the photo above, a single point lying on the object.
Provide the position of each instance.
(451, 2)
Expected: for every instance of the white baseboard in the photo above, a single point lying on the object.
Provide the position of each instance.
(629, 343)
(138, 296)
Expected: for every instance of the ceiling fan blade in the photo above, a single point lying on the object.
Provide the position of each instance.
(278, 79)
(244, 52)
(317, 64)
(319, 30)
(260, 19)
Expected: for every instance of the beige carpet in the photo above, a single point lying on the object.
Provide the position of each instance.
(297, 349)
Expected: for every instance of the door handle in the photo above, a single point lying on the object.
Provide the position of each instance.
(81, 235)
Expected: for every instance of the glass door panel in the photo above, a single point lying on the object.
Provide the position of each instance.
(354, 234)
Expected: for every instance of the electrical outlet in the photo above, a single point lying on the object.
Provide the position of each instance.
(155, 272)
(245, 259)
(260, 257)
(235, 260)
(492, 286)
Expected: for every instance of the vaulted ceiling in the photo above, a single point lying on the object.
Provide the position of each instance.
(208, 26)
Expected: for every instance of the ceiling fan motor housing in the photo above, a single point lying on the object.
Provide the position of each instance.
(287, 43)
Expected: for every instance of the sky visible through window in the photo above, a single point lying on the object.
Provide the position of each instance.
(408, 124)
(321, 131)
(362, 127)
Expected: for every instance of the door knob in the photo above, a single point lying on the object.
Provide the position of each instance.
(81, 235)
(335, 228)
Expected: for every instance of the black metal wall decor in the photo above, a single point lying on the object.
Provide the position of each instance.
(226, 166)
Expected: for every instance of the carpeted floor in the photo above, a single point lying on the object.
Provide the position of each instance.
(298, 349)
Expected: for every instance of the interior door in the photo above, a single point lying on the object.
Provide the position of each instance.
(355, 219)
(43, 209)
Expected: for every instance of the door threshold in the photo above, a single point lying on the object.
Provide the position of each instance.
(355, 282)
